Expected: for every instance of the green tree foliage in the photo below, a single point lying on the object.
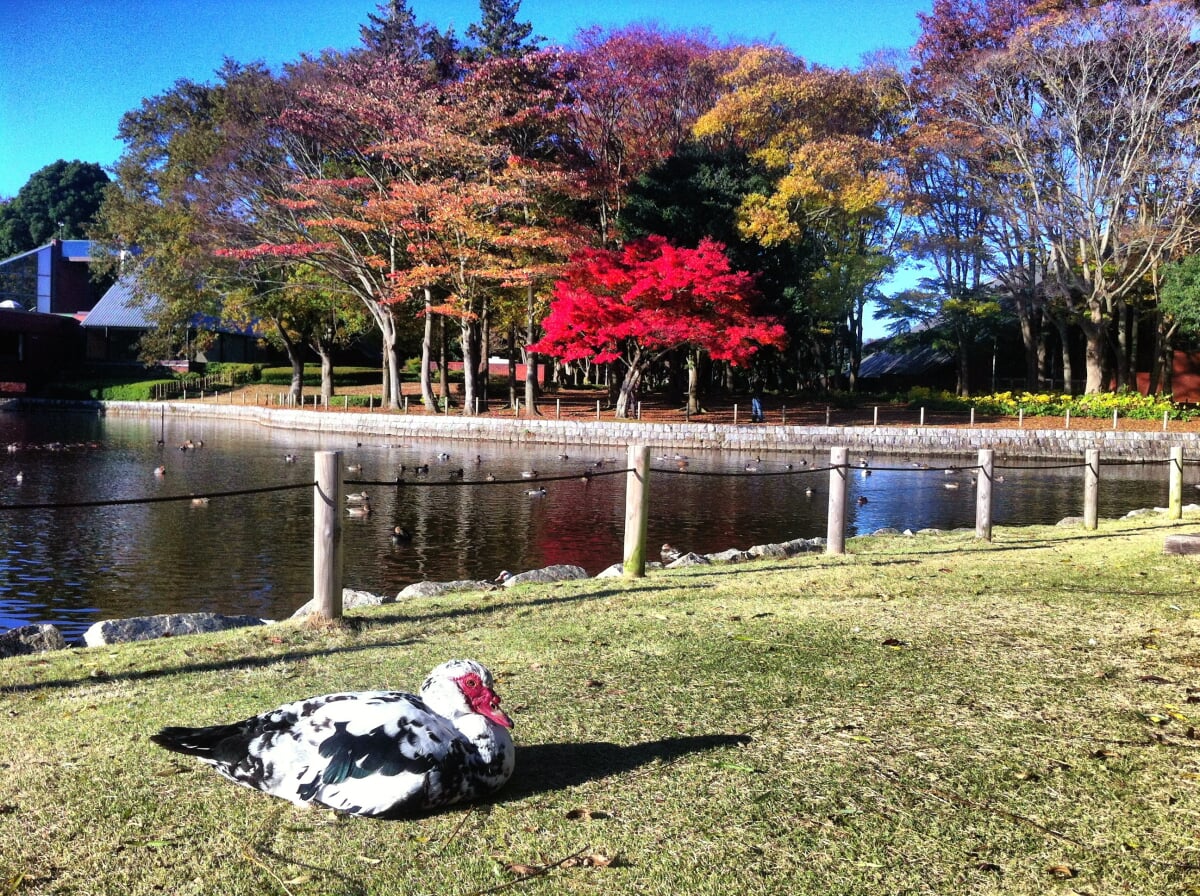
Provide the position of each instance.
(60, 200)
(394, 33)
(1179, 298)
(498, 34)
(694, 195)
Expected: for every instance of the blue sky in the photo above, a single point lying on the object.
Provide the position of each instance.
(69, 70)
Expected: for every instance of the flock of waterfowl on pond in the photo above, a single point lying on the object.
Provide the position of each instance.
(440, 468)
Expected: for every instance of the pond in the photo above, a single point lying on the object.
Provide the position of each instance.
(74, 565)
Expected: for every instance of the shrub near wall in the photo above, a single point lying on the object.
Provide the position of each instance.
(1130, 405)
(140, 390)
(342, 376)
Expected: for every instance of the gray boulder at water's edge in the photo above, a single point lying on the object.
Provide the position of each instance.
(351, 599)
(145, 628)
(559, 573)
(31, 639)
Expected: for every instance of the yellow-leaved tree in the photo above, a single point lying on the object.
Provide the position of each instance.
(826, 138)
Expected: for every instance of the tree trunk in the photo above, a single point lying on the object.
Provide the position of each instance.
(1163, 369)
(296, 390)
(1092, 325)
(1030, 339)
(512, 365)
(443, 366)
(856, 343)
(427, 356)
(628, 390)
(485, 349)
(531, 359)
(469, 339)
(326, 356)
(391, 391)
(963, 354)
(295, 353)
(693, 382)
(1068, 370)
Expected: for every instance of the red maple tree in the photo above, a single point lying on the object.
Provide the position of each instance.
(636, 304)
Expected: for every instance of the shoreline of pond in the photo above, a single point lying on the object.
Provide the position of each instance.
(883, 440)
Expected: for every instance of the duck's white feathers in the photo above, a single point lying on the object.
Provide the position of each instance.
(374, 753)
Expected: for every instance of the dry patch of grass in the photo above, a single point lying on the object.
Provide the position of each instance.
(925, 715)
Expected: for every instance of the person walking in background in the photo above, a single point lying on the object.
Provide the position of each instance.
(756, 411)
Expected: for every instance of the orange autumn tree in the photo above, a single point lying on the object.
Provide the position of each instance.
(431, 195)
(633, 306)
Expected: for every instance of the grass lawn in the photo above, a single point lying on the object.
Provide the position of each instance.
(925, 715)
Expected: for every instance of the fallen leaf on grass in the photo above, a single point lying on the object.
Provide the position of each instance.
(585, 814)
(594, 683)
(894, 643)
(523, 870)
(989, 866)
(367, 860)
(1105, 753)
(592, 860)
(1154, 679)
(1173, 712)
(1063, 871)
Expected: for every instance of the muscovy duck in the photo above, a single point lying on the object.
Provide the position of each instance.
(382, 754)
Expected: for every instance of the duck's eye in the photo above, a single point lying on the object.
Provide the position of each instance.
(471, 681)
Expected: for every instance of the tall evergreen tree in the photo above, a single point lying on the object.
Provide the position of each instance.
(499, 34)
(394, 32)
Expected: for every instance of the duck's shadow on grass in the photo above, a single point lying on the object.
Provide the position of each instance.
(542, 768)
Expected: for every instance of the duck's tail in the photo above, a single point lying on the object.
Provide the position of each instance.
(210, 742)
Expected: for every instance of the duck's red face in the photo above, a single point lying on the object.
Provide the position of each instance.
(482, 699)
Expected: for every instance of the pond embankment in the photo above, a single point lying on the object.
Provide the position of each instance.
(868, 440)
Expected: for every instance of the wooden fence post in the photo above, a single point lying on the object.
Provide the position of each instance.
(1091, 488)
(327, 534)
(839, 482)
(1175, 490)
(637, 510)
(983, 494)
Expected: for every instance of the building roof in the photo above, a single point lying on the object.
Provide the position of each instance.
(914, 362)
(119, 307)
(72, 250)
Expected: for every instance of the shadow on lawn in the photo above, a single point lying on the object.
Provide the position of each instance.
(542, 768)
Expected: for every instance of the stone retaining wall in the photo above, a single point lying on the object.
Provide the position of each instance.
(874, 440)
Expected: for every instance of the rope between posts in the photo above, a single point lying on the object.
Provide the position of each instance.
(586, 474)
(951, 468)
(1072, 466)
(743, 473)
(118, 502)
